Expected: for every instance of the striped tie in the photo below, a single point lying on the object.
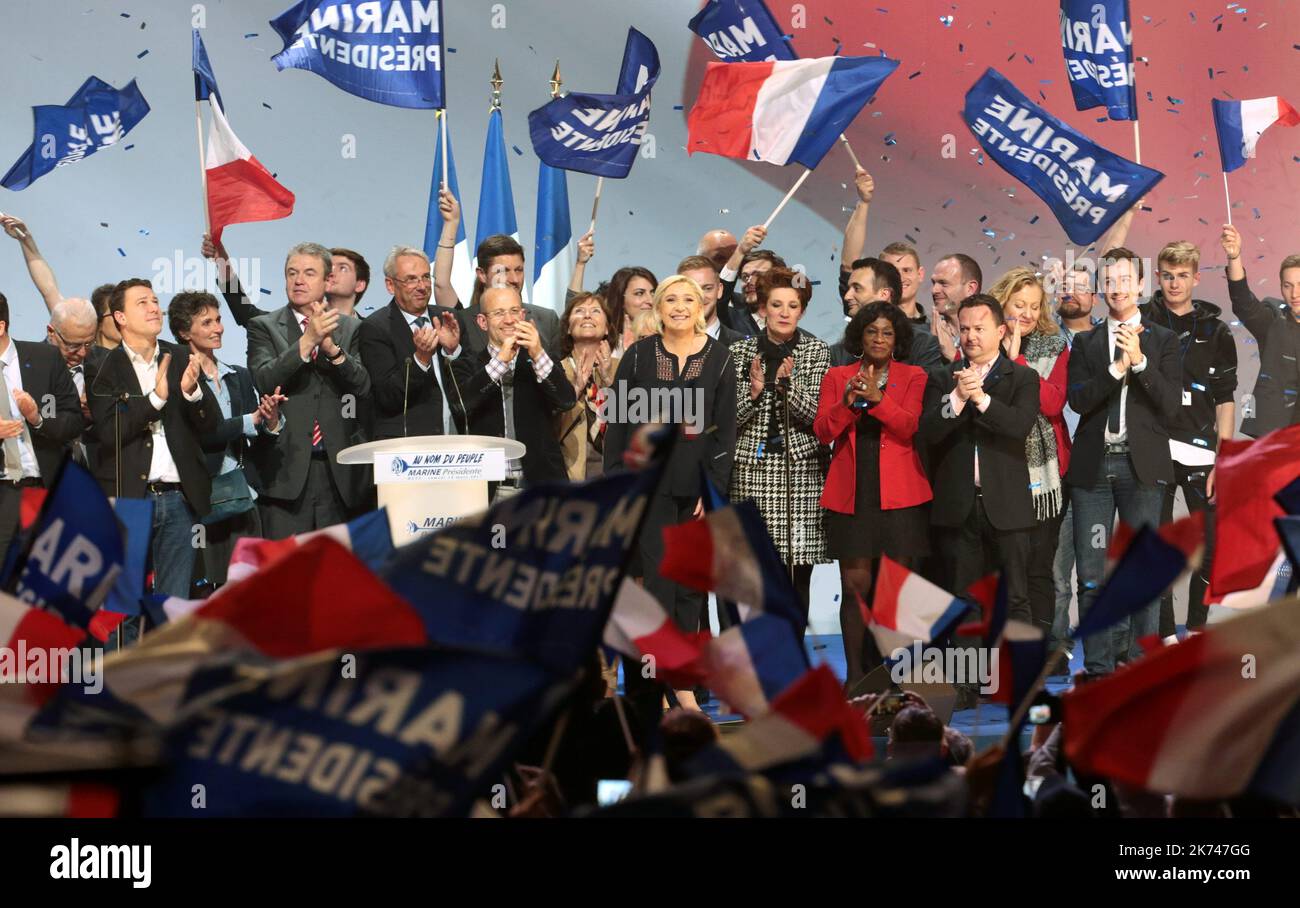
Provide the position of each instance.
(316, 434)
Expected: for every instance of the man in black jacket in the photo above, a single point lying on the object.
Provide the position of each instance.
(513, 388)
(150, 411)
(1276, 329)
(1124, 382)
(976, 417)
(1207, 416)
(873, 281)
(408, 348)
(39, 416)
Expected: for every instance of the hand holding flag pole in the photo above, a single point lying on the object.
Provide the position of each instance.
(442, 130)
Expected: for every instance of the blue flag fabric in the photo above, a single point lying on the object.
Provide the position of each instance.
(1289, 497)
(97, 116)
(534, 577)
(136, 518)
(553, 237)
(1144, 571)
(1288, 528)
(496, 200)
(600, 134)
(1087, 187)
(741, 31)
(205, 81)
(76, 550)
(389, 51)
(1098, 44)
(307, 742)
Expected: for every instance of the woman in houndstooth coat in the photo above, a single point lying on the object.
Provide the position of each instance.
(782, 356)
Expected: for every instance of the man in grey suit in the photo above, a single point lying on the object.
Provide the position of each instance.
(309, 353)
(500, 263)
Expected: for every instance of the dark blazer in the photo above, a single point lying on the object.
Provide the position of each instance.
(229, 435)
(241, 307)
(727, 336)
(474, 339)
(45, 377)
(89, 437)
(1278, 335)
(999, 433)
(120, 405)
(1154, 397)
(536, 404)
(407, 399)
(337, 396)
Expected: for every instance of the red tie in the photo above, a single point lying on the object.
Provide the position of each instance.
(316, 434)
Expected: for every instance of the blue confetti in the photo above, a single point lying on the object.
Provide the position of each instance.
(678, 107)
(1034, 219)
(267, 106)
(890, 140)
(451, 50)
(144, 232)
(989, 233)
(915, 74)
(947, 203)
(1257, 214)
(946, 20)
(121, 252)
(141, 55)
(1173, 100)
(251, 35)
(265, 291)
(517, 151)
(125, 15)
(128, 147)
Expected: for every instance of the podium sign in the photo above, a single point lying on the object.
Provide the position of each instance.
(440, 466)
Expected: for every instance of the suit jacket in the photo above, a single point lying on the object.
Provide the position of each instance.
(121, 407)
(46, 378)
(337, 396)
(727, 336)
(229, 437)
(1278, 335)
(1154, 396)
(407, 399)
(999, 433)
(89, 437)
(902, 480)
(536, 404)
(474, 339)
(241, 307)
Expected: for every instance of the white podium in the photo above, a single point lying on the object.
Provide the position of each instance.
(428, 481)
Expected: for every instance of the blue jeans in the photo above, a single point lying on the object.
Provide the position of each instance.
(173, 544)
(1062, 568)
(1138, 504)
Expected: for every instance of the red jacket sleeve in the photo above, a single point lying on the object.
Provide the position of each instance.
(901, 417)
(1052, 391)
(833, 418)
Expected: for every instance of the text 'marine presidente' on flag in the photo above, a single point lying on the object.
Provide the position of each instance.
(240, 188)
(782, 112)
(1098, 45)
(741, 31)
(1239, 125)
(95, 117)
(390, 51)
(1087, 187)
(600, 134)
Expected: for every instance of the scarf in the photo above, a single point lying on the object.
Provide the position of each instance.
(1040, 352)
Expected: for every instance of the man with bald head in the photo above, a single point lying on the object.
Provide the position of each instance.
(717, 246)
(513, 389)
(72, 330)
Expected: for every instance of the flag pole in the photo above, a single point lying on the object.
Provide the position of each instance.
(1023, 707)
(442, 138)
(1226, 198)
(203, 170)
(771, 217)
(1137, 142)
(595, 204)
(857, 165)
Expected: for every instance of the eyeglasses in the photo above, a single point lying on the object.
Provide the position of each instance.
(414, 280)
(85, 345)
(503, 313)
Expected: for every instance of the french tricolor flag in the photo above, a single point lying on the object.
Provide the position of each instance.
(907, 607)
(638, 627)
(1241, 123)
(782, 111)
(239, 188)
(748, 665)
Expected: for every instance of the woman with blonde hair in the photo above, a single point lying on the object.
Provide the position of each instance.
(1033, 339)
(693, 373)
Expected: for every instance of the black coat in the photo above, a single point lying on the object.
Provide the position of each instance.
(999, 433)
(407, 399)
(46, 378)
(1154, 398)
(1278, 335)
(535, 405)
(120, 406)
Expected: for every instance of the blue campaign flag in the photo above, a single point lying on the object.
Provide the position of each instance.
(97, 116)
(535, 576)
(741, 31)
(1087, 187)
(76, 550)
(496, 201)
(416, 733)
(136, 517)
(600, 134)
(1098, 44)
(205, 81)
(389, 51)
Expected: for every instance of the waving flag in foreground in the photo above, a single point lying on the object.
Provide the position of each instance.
(906, 607)
(1240, 124)
(782, 111)
(240, 189)
(1213, 717)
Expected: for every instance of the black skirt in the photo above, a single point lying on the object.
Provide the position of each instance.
(872, 531)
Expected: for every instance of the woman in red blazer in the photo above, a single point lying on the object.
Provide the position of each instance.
(876, 493)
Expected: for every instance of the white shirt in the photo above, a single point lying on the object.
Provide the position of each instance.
(958, 405)
(1111, 327)
(713, 328)
(14, 379)
(162, 468)
(448, 424)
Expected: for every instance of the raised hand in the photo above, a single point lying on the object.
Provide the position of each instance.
(1128, 341)
(190, 378)
(872, 392)
(449, 332)
(586, 247)
(1013, 340)
(939, 327)
(426, 342)
(14, 226)
(527, 337)
(865, 186)
(1231, 242)
(448, 207)
(27, 407)
(755, 377)
(160, 383)
(752, 239)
